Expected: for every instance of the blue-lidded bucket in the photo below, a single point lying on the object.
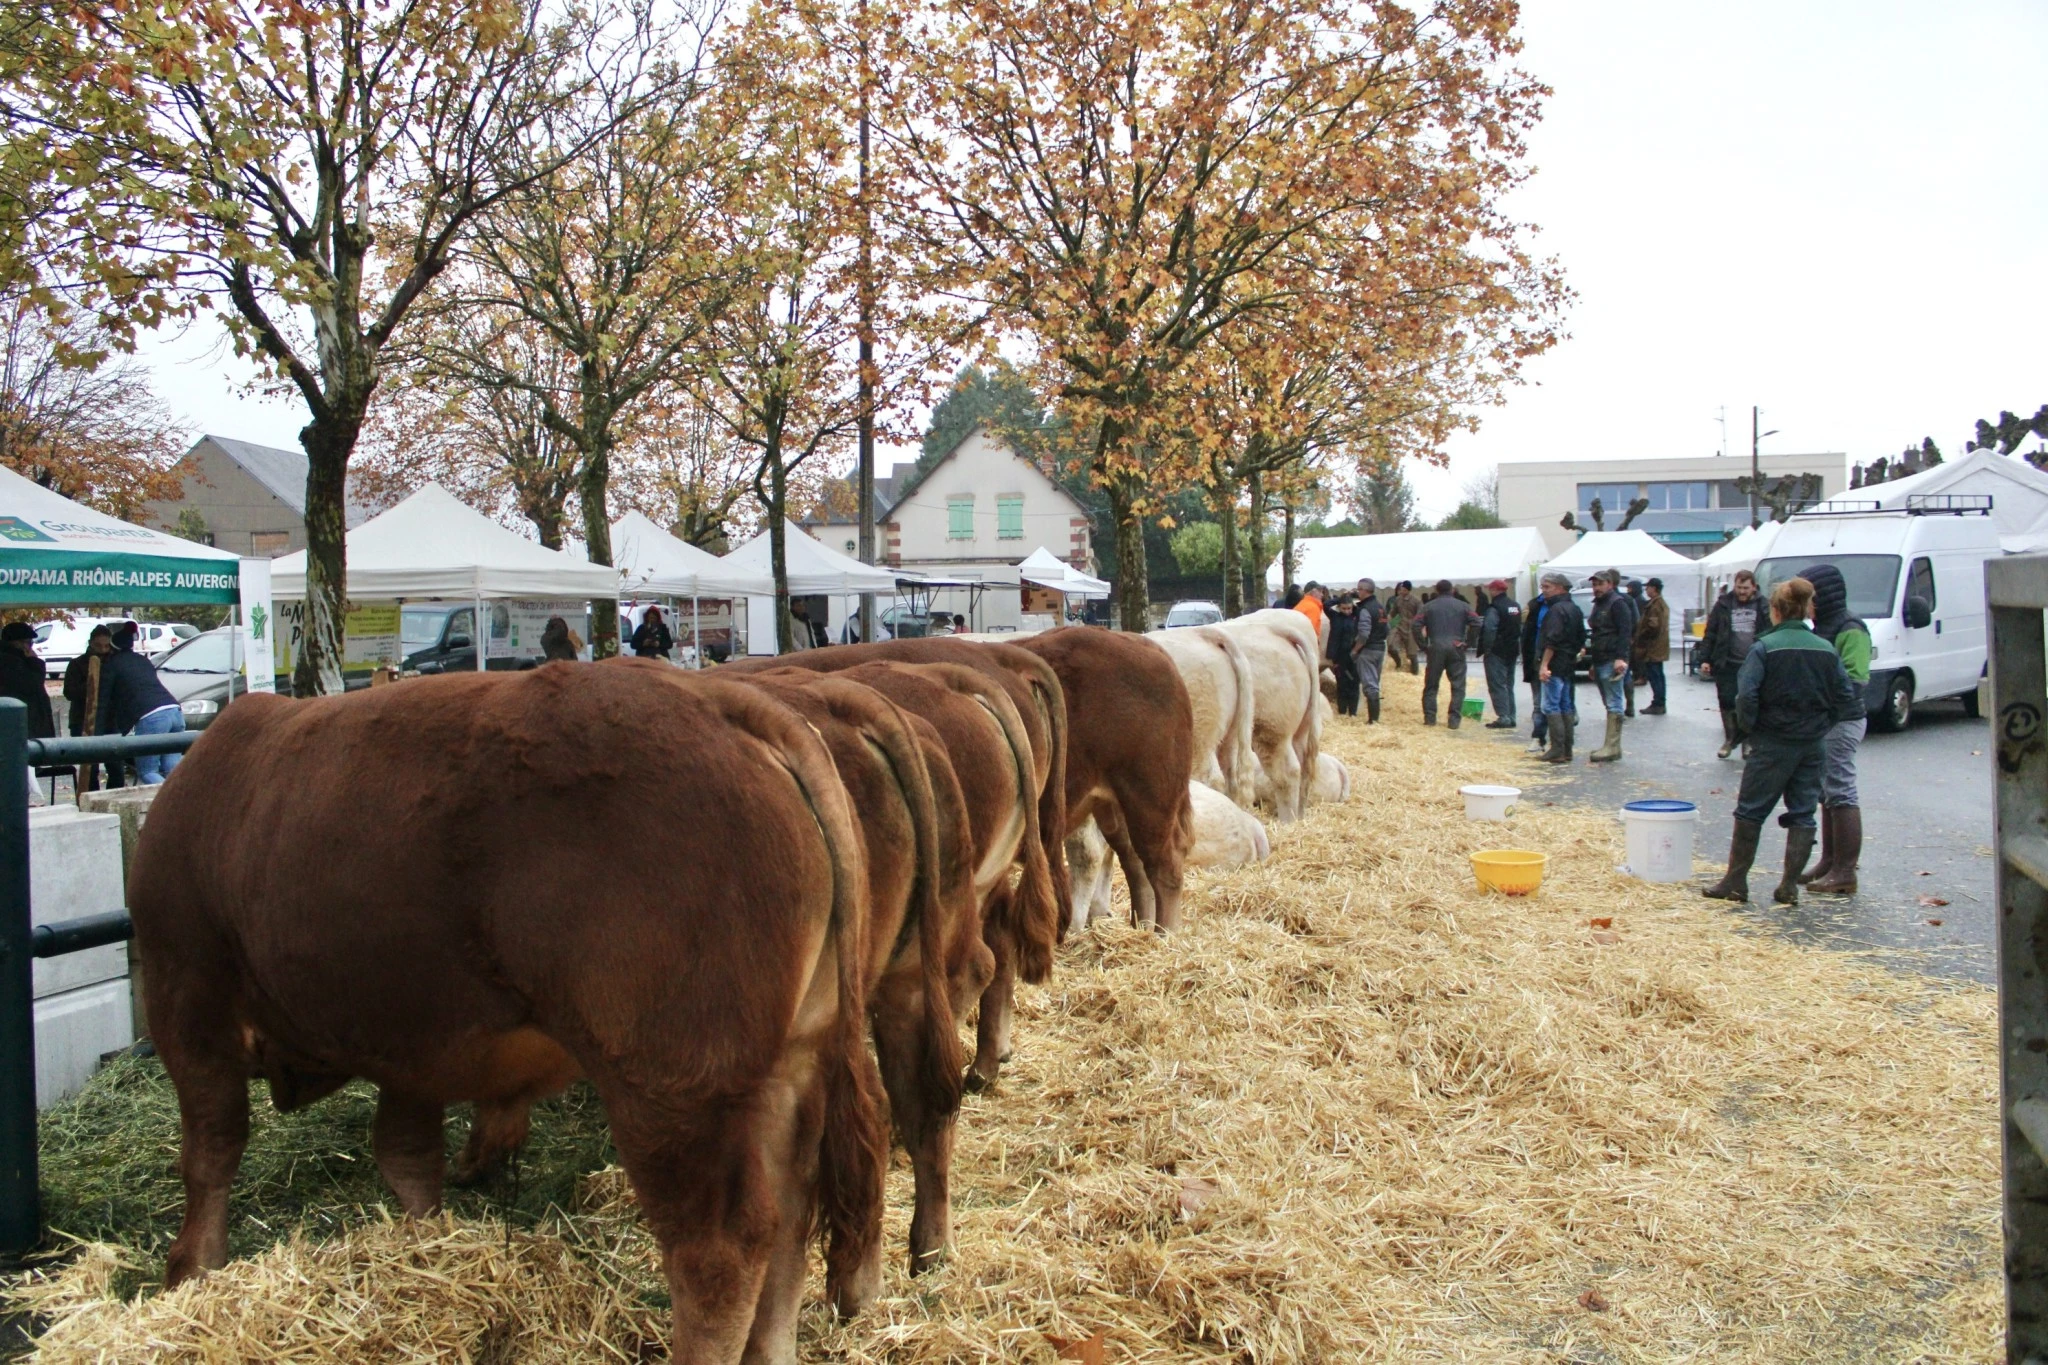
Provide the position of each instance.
(1660, 839)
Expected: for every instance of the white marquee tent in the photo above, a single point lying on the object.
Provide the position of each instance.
(652, 562)
(1422, 557)
(432, 545)
(814, 567)
(1047, 570)
(1635, 553)
(1746, 551)
(2018, 491)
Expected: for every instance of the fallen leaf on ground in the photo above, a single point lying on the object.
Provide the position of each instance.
(1089, 1350)
(1923, 874)
(1604, 922)
(1932, 900)
(1593, 1301)
(1935, 922)
(1195, 1194)
(1605, 936)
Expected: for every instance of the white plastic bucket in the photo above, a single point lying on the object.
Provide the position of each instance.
(1660, 839)
(1489, 803)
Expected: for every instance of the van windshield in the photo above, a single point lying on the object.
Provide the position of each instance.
(1873, 580)
(420, 627)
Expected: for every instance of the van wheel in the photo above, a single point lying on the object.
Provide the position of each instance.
(1970, 707)
(1897, 712)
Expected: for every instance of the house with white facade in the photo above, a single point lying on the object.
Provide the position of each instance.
(972, 515)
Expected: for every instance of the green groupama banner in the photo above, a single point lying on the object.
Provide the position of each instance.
(71, 578)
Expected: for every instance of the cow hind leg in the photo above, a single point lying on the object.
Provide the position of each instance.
(704, 1189)
(1155, 837)
(992, 1027)
(789, 1128)
(1144, 901)
(406, 1137)
(925, 1130)
(213, 1112)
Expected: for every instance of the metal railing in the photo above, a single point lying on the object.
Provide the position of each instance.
(21, 942)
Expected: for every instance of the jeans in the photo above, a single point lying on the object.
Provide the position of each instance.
(1500, 687)
(154, 768)
(1369, 661)
(1560, 697)
(1653, 673)
(1788, 768)
(1442, 661)
(1539, 730)
(1613, 687)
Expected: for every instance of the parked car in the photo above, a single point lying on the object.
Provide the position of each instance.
(438, 639)
(1192, 614)
(1916, 577)
(900, 621)
(59, 642)
(204, 674)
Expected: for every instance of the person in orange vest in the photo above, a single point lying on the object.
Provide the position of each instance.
(1311, 606)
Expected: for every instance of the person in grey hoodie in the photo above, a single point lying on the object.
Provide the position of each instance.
(1444, 623)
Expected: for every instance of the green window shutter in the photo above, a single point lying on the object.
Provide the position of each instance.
(1009, 516)
(960, 516)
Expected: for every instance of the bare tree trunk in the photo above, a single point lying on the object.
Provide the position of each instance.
(1224, 497)
(593, 492)
(778, 550)
(328, 445)
(1287, 545)
(1133, 587)
(1258, 538)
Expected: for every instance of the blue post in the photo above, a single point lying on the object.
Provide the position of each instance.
(20, 1204)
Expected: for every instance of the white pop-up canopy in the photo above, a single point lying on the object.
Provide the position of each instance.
(2018, 492)
(1746, 551)
(1422, 557)
(57, 552)
(1635, 553)
(651, 561)
(813, 566)
(1048, 570)
(431, 545)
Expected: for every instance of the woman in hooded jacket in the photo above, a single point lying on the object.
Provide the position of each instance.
(1841, 808)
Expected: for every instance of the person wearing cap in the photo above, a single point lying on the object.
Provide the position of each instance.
(1653, 644)
(1609, 628)
(1445, 620)
(1561, 635)
(1500, 645)
(133, 702)
(1401, 609)
(1338, 654)
(1311, 606)
(1369, 646)
(23, 675)
(82, 694)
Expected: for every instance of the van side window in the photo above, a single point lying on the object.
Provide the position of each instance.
(1920, 583)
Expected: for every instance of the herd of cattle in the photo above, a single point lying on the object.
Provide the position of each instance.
(706, 893)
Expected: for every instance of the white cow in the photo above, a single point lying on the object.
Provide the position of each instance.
(1225, 836)
(1280, 647)
(1219, 683)
(1333, 780)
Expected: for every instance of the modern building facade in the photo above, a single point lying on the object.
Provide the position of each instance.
(1694, 503)
(972, 515)
(243, 497)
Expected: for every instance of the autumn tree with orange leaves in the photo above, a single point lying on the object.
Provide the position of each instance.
(1128, 182)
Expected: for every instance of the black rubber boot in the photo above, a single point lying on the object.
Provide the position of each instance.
(1827, 848)
(1841, 878)
(1372, 710)
(1734, 883)
(1728, 736)
(1798, 848)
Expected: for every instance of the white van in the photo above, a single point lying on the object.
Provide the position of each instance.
(1916, 577)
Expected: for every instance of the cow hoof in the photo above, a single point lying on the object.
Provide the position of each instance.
(928, 1260)
(974, 1082)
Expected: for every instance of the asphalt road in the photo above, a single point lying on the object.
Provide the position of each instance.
(1927, 797)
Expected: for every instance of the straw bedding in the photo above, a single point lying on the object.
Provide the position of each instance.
(1357, 1110)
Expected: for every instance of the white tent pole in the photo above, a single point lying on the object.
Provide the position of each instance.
(480, 634)
(696, 633)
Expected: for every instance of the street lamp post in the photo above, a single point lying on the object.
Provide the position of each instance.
(1756, 477)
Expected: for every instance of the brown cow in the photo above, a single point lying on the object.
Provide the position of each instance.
(1130, 754)
(418, 885)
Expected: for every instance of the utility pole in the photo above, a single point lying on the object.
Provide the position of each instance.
(1755, 463)
(864, 475)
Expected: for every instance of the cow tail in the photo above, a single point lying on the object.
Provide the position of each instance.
(1243, 755)
(1052, 802)
(942, 1064)
(1308, 736)
(1034, 910)
(853, 1154)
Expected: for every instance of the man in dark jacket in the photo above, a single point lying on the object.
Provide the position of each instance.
(1733, 624)
(1500, 641)
(1443, 623)
(1343, 618)
(1561, 638)
(1652, 645)
(82, 692)
(133, 702)
(1610, 634)
(1369, 648)
(1532, 663)
(1792, 690)
(23, 677)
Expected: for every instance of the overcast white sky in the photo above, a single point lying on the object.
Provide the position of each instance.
(1837, 209)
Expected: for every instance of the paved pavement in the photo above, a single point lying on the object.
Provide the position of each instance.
(1927, 796)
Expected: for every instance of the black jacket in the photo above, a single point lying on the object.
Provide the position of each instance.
(21, 678)
(1563, 634)
(1500, 630)
(76, 675)
(1372, 623)
(1793, 687)
(1343, 631)
(1717, 644)
(652, 640)
(1445, 622)
(129, 691)
(1532, 650)
(1609, 630)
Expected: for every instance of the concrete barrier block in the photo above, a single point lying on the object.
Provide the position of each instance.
(74, 1030)
(74, 861)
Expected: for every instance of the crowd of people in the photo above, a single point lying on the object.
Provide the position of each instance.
(110, 689)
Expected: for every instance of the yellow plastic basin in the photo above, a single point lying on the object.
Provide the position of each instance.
(1511, 871)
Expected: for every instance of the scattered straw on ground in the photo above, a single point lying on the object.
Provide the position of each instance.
(1358, 1110)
